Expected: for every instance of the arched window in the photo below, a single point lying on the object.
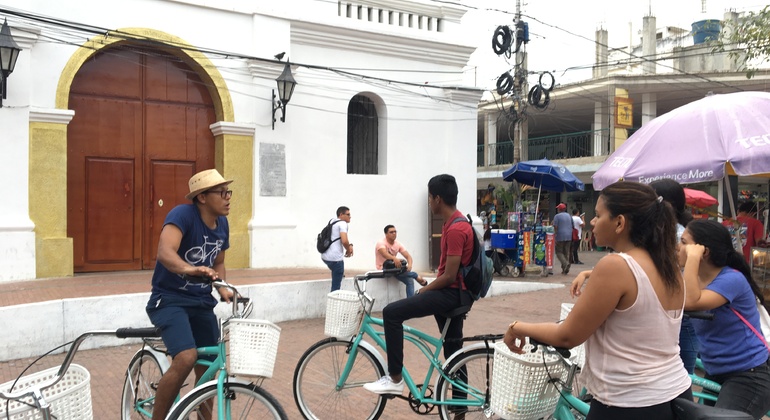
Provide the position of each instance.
(363, 136)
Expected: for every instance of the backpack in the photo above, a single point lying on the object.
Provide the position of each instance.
(478, 274)
(324, 239)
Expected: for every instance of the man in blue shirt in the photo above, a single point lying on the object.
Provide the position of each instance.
(191, 250)
(562, 224)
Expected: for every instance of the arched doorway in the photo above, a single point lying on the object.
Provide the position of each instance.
(140, 130)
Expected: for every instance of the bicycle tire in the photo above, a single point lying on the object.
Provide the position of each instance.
(315, 379)
(247, 401)
(142, 377)
(475, 364)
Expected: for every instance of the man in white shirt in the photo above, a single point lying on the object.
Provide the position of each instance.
(340, 247)
(577, 223)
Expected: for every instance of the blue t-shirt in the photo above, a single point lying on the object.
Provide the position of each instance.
(726, 343)
(563, 223)
(200, 246)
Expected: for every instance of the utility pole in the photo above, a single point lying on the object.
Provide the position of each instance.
(519, 98)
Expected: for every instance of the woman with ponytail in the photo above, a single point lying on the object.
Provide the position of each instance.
(732, 349)
(630, 314)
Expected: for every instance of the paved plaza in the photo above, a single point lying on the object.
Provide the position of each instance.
(106, 365)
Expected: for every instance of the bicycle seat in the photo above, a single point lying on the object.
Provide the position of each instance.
(688, 410)
(462, 310)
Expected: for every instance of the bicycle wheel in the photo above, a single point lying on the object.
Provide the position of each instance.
(316, 376)
(470, 369)
(139, 387)
(244, 401)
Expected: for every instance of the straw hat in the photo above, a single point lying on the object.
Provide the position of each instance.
(205, 180)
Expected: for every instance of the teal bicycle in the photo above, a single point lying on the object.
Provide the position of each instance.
(329, 377)
(222, 392)
(558, 384)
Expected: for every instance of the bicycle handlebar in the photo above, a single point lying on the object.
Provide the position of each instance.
(146, 332)
(378, 274)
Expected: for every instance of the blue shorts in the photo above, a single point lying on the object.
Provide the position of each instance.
(183, 328)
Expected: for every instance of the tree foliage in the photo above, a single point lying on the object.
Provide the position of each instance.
(747, 41)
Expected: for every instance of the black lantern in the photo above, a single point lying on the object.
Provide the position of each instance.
(9, 53)
(286, 84)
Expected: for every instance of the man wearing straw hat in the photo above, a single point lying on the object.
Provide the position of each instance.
(191, 251)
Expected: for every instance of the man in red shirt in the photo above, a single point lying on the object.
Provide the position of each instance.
(751, 229)
(444, 294)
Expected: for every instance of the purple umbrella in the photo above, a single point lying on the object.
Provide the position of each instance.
(692, 143)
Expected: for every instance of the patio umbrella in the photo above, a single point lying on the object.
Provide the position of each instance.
(699, 199)
(543, 175)
(693, 143)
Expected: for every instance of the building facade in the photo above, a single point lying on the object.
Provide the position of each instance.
(109, 112)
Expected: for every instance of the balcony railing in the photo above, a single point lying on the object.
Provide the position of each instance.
(565, 146)
(499, 154)
(561, 146)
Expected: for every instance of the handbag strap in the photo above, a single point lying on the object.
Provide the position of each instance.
(748, 324)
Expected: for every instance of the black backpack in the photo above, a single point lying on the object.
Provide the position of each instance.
(324, 240)
(478, 274)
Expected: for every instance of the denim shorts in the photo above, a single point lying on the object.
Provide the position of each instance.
(183, 328)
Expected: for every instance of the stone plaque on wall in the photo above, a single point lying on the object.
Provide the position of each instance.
(272, 170)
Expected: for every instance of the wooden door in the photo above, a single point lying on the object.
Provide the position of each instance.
(140, 130)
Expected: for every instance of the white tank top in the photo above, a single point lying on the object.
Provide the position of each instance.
(632, 360)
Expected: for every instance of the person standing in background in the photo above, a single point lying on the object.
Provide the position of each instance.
(578, 221)
(340, 248)
(751, 230)
(562, 223)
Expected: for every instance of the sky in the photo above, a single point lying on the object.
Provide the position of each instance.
(562, 32)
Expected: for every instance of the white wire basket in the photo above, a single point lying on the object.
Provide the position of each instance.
(577, 354)
(253, 347)
(343, 314)
(521, 387)
(70, 398)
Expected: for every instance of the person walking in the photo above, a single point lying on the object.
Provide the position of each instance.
(191, 250)
(562, 224)
(388, 249)
(340, 248)
(446, 293)
(578, 221)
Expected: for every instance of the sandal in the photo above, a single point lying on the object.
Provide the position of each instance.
(422, 281)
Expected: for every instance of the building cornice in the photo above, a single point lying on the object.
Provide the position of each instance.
(237, 129)
(50, 115)
(388, 44)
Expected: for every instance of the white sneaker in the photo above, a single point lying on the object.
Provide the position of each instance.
(385, 385)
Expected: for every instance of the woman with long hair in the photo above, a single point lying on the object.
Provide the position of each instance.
(673, 193)
(630, 316)
(732, 349)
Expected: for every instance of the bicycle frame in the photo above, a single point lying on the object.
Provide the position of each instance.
(215, 369)
(429, 346)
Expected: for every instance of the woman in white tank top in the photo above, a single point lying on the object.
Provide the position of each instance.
(631, 313)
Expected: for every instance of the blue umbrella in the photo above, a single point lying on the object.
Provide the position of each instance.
(544, 174)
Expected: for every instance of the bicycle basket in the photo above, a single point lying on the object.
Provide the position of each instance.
(343, 314)
(521, 388)
(253, 347)
(70, 398)
(578, 353)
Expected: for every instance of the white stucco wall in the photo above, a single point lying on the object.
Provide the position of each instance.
(427, 130)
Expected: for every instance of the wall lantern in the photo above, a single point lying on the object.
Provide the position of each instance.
(286, 84)
(9, 52)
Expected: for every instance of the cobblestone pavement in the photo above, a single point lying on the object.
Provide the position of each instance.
(107, 365)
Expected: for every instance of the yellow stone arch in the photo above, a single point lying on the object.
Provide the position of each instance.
(48, 153)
